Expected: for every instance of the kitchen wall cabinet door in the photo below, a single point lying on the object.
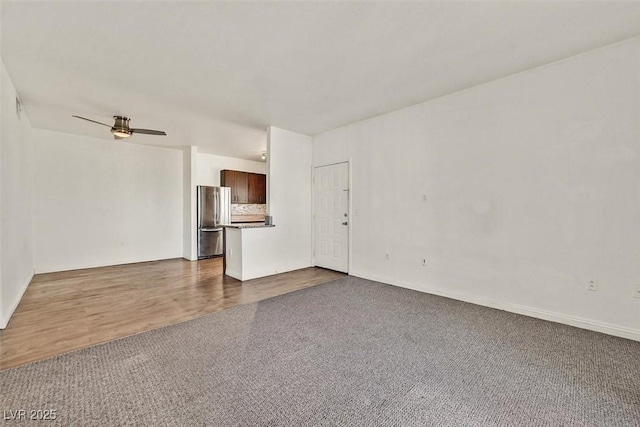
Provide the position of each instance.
(238, 182)
(257, 188)
(242, 187)
(228, 179)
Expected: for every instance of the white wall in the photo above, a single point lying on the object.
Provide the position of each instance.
(532, 187)
(190, 202)
(3, 73)
(210, 165)
(234, 253)
(256, 252)
(16, 243)
(99, 202)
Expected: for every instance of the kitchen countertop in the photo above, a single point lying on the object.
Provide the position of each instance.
(249, 225)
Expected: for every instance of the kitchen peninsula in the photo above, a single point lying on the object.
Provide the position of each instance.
(246, 236)
(247, 250)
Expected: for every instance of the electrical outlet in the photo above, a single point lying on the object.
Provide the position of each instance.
(636, 290)
(387, 256)
(424, 198)
(592, 285)
(424, 262)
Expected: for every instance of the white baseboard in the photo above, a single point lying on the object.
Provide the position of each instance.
(104, 264)
(5, 318)
(579, 322)
(190, 256)
(243, 275)
(235, 274)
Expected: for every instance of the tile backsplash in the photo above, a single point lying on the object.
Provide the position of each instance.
(247, 209)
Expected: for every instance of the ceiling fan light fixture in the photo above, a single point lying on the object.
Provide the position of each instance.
(121, 133)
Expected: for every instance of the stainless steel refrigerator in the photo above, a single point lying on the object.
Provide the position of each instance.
(214, 210)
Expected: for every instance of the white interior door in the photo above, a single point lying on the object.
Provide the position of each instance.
(331, 216)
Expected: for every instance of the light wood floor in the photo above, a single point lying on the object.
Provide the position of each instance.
(66, 311)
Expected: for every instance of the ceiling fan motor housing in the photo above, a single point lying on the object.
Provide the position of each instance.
(121, 126)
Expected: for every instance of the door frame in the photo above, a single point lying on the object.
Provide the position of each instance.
(350, 218)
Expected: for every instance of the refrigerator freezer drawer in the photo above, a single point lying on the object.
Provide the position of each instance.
(209, 243)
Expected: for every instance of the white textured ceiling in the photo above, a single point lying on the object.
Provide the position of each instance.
(216, 74)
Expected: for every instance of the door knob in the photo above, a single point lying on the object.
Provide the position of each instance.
(345, 223)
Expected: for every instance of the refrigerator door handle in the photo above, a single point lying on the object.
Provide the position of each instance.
(199, 204)
(216, 203)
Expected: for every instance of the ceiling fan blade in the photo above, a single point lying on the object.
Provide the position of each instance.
(93, 121)
(148, 132)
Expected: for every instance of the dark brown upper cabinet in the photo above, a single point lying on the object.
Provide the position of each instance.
(257, 188)
(245, 187)
(238, 181)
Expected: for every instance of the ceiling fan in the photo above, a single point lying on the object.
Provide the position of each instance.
(121, 129)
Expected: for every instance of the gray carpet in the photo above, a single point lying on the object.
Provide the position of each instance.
(347, 353)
